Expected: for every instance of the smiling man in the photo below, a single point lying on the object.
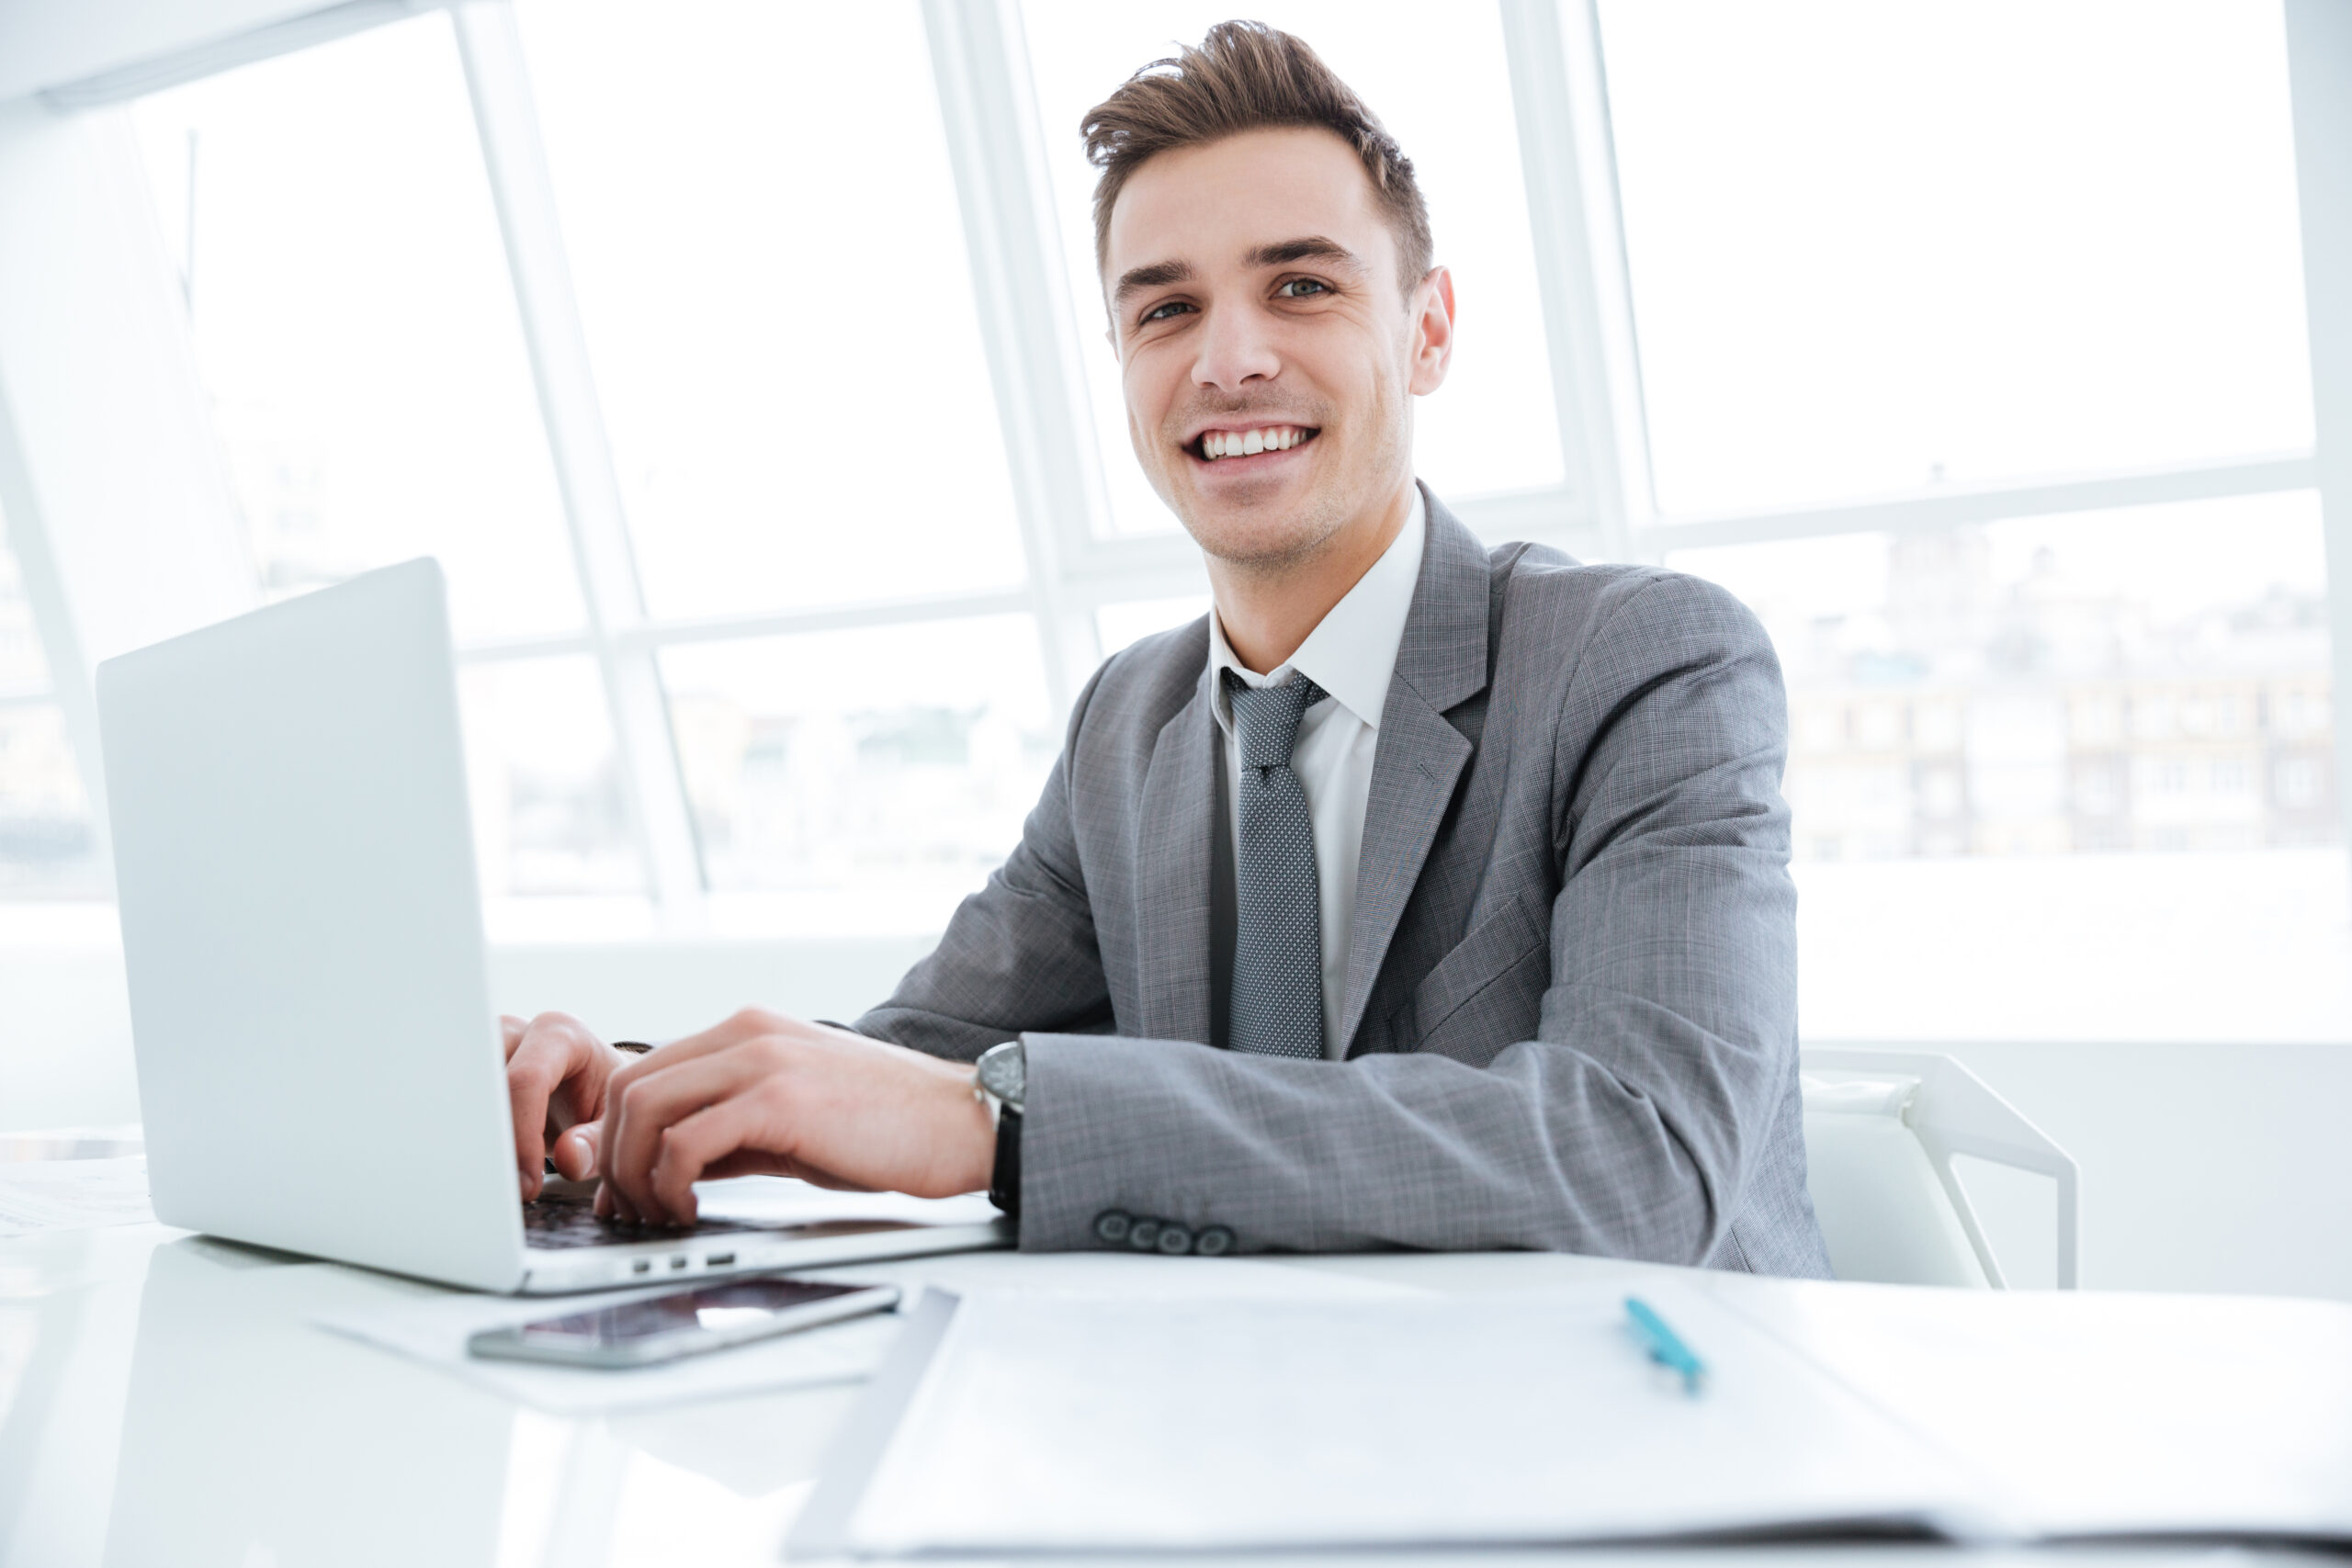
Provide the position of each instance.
(1419, 894)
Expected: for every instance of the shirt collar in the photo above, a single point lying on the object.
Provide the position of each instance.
(1351, 652)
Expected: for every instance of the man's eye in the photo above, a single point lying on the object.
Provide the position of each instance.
(1300, 287)
(1162, 312)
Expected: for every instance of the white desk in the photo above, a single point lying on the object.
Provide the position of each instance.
(150, 1378)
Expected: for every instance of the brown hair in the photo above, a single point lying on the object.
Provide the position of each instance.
(1248, 76)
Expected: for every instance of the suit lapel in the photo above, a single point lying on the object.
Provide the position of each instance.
(1440, 664)
(1173, 846)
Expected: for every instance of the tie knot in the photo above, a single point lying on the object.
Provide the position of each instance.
(1265, 718)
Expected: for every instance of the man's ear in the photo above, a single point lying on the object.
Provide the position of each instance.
(1433, 318)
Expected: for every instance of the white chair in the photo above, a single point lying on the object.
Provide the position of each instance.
(1881, 1129)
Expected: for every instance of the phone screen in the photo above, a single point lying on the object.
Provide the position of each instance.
(723, 1309)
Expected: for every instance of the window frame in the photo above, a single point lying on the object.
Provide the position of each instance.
(1075, 564)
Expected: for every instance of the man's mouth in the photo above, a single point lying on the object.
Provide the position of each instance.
(1224, 445)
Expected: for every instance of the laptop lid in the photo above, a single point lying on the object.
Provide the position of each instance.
(318, 1067)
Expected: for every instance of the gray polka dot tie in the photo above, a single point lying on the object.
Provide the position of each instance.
(1278, 939)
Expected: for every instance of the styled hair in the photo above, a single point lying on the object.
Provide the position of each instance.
(1248, 76)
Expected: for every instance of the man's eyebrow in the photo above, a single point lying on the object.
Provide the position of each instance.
(1312, 247)
(1156, 275)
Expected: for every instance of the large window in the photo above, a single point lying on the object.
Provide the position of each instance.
(2068, 767)
(1877, 249)
(774, 281)
(2049, 686)
(865, 779)
(745, 364)
(347, 296)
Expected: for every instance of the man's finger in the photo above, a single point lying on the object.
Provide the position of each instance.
(691, 1145)
(529, 1082)
(760, 1162)
(575, 1152)
(551, 1050)
(637, 1113)
(746, 1023)
(509, 1031)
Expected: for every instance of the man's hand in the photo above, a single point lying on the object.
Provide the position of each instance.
(766, 1095)
(556, 1077)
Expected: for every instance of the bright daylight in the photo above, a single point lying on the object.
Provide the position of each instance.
(1015, 777)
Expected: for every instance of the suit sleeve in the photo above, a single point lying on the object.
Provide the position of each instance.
(1020, 955)
(1629, 1126)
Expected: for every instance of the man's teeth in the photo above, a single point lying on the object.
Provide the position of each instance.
(1218, 444)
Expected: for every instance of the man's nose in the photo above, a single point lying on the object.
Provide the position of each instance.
(1234, 349)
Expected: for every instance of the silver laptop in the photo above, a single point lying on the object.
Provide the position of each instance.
(302, 926)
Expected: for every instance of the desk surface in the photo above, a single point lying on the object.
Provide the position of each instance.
(282, 1445)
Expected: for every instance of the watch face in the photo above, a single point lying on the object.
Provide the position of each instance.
(1004, 1072)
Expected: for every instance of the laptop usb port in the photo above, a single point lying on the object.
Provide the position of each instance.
(679, 1262)
(718, 1260)
(642, 1266)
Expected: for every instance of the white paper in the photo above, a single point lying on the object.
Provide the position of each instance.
(73, 1194)
(435, 1331)
(1121, 1423)
(2108, 1413)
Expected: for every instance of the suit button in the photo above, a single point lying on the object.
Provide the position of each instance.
(1111, 1226)
(1214, 1241)
(1175, 1240)
(1144, 1234)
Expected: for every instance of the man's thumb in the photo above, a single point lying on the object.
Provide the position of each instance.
(576, 1151)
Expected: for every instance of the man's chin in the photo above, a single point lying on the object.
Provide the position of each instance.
(1261, 537)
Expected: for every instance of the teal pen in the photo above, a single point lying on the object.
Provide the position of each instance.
(1665, 1347)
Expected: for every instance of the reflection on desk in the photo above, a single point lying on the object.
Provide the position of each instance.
(163, 1399)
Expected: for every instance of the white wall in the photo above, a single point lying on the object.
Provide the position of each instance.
(2205, 1166)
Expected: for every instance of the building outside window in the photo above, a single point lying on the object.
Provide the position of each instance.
(774, 577)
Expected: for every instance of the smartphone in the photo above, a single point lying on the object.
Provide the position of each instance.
(684, 1323)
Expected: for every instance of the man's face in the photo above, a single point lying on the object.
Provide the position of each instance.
(1268, 352)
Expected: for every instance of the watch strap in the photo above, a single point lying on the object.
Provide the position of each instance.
(1004, 1179)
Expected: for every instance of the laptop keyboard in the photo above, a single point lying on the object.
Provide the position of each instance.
(558, 1220)
(557, 1223)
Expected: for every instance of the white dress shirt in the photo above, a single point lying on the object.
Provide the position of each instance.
(1351, 654)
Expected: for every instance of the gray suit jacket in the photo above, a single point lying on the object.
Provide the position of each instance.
(1571, 999)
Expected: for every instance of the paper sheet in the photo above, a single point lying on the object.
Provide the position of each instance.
(73, 1194)
(2110, 1414)
(435, 1331)
(1121, 1423)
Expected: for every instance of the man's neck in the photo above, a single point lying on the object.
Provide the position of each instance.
(1266, 614)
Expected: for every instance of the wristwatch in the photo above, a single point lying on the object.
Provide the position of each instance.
(1002, 1082)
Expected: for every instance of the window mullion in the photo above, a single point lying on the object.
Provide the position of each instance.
(507, 120)
(1559, 93)
(990, 116)
(1930, 512)
(2319, 71)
